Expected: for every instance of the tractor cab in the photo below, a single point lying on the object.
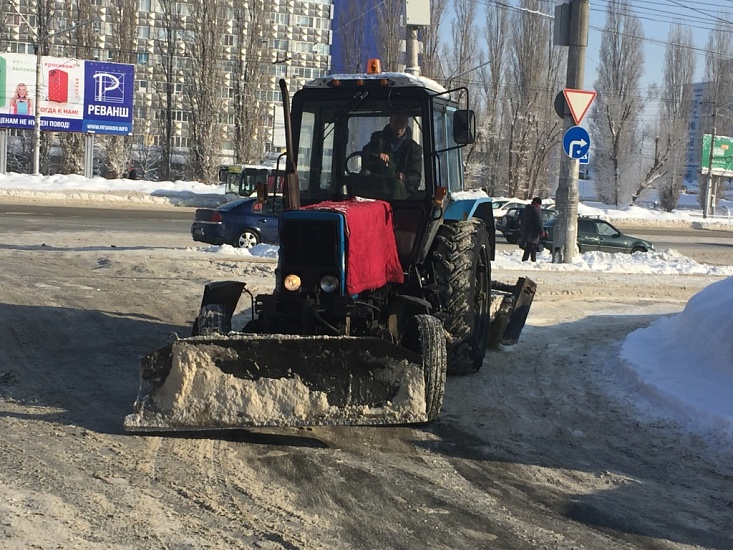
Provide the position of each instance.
(344, 138)
(337, 120)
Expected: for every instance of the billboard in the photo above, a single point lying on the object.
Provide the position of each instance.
(75, 95)
(722, 156)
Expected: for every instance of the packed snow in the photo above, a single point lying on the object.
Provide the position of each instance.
(683, 361)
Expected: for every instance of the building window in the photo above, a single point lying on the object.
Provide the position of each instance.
(144, 5)
(142, 85)
(229, 40)
(142, 59)
(179, 116)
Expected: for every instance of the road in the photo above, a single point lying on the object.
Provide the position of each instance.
(545, 447)
(173, 225)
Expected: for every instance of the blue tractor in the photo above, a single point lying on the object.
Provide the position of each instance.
(383, 284)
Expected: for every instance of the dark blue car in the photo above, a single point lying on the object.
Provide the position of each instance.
(241, 223)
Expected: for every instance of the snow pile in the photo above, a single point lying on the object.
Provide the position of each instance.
(660, 262)
(197, 394)
(686, 360)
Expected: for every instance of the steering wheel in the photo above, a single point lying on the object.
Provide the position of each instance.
(364, 155)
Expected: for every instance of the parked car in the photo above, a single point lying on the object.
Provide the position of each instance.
(509, 223)
(500, 207)
(597, 234)
(242, 223)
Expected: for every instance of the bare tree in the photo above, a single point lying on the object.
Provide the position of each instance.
(491, 88)
(675, 112)
(717, 106)
(463, 59)
(533, 74)
(390, 33)
(170, 35)
(46, 13)
(463, 54)
(430, 64)
(614, 120)
(351, 27)
(81, 42)
(203, 91)
(123, 19)
(248, 77)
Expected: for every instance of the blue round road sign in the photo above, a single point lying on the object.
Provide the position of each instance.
(576, 142)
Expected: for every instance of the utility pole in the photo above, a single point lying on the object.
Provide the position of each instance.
(417, 14)
(566, 227)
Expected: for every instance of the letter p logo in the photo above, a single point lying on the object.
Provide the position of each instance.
(109, 87)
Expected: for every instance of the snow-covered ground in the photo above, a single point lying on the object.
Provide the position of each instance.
(685, 360)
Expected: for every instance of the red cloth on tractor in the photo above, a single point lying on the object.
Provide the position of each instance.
(371, 251)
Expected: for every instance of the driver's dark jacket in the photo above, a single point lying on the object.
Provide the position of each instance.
(407, 157)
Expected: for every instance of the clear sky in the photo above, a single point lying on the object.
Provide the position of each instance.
(657, 17)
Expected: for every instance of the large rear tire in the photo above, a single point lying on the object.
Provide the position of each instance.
(461, 263)
(427, 337)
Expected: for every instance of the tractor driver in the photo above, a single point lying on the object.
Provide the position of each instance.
(393, 153)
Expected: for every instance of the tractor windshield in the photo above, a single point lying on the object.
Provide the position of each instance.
(371, 148)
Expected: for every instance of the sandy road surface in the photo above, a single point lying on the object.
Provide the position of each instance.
(545, 447)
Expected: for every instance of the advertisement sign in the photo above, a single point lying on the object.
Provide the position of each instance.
(17, 90)
(108, 97)
(75, 95)
(722, 156)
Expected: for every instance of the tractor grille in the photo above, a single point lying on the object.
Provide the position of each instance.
(312, 246)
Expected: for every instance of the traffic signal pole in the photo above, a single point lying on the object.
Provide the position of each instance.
(566, 226)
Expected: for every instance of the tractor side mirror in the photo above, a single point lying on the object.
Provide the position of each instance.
(464, 127)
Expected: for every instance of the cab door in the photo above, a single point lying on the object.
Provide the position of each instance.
(588, 236)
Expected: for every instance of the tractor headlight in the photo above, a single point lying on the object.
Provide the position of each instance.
(292, 282)
(329, 283)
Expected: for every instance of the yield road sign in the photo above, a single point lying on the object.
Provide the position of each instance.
(576, 142)
(579, 101)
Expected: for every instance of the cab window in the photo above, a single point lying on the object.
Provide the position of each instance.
(449, 169)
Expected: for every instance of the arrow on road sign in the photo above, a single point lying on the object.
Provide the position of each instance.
(579, 101)
(576, 142)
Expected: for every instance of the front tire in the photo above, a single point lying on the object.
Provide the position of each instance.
(427, 337)
(462, 268)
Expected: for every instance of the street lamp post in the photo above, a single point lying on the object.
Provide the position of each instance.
(708, 187)
(37, 110)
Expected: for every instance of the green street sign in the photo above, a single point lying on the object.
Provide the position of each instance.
(722, 156)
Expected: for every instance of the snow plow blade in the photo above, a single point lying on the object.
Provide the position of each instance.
(248, 380)
(509, 309)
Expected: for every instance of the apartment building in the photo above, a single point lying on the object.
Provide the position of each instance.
(296, 43)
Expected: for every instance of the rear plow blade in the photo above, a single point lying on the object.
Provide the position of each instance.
(247, 380)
